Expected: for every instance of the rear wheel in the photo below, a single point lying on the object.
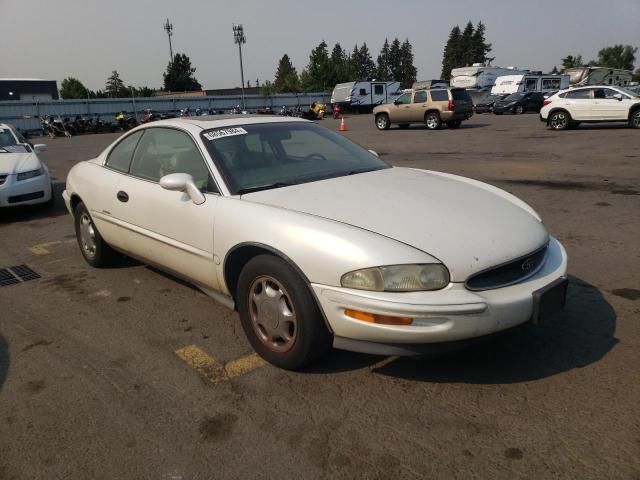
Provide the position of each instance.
(94, 249)
(279, 315)
(432, 120)
(559, 120)
(382, 121)
(454, 123)
(634, 119)
(519, 109)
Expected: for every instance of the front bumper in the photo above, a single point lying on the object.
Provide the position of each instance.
(503, 108)
(449, 315)
(67, 201)
(26, 192)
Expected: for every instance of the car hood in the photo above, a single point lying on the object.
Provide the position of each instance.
(467, 225)
(13, 163)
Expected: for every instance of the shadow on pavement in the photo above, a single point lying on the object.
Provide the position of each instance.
(36, 212)
(578, 336)
(4, 360)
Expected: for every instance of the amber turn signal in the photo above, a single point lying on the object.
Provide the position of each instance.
(375, 318)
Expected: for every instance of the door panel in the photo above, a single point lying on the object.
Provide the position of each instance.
(400, 110)
(418, 106)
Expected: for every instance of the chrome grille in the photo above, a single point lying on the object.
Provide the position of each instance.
(510, 273)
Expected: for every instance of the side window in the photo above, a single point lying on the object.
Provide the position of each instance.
(363, 91)
(165, 150)
(579, 94)
(420, 97)
(439, 95)
(609, 93)
(404, 98)
(120, 157)
(530, 85)
(378, 89)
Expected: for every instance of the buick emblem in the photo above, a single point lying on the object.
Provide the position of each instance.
(527, 265)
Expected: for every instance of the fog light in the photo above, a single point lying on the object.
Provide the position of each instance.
(375, 318)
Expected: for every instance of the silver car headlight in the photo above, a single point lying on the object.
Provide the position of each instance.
(30, 174)
(398, 278)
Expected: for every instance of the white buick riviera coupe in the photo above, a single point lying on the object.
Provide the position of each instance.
(314, 240)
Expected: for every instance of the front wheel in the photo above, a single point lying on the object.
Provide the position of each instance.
(94, 249)
(279, 315)
(634, 120)
(518, 110)
(454, 123)
(382, 121)
(432, 120)
(559, 120)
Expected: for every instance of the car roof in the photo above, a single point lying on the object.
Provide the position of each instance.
(217, 121)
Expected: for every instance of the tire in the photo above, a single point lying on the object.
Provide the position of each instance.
(432, 120)
(518, 109)
(634, 119)
(382, 121)
(94, 249)
(403, 126)
(267, 287)
(454, 123)
(559, 120)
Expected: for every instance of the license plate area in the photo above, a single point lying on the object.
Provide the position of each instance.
(549, 299)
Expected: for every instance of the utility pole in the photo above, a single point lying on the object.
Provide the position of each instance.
(239, 39)
(168, 27)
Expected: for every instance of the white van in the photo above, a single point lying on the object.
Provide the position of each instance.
(508, 84)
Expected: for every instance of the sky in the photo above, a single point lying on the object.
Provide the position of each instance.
(87, 39)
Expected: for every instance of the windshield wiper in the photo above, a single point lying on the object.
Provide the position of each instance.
(259, 188)
(354, 172)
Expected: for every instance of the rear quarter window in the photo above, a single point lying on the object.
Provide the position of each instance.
(439, 96)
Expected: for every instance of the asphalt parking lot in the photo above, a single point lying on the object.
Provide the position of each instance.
(97, 376)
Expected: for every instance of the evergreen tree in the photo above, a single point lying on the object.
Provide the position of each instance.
(286, 76)
(395, 61)
(361, 62)
(451, 56)
(316, 77)
(480, 47)
(383, 71)
(466, 53)
(408, 71)
(340, 66)
(115, 86)
(554, 70)
(72, 88)
(179, 75)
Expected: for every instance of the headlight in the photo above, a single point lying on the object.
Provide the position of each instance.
(31, 174)
(398, 278)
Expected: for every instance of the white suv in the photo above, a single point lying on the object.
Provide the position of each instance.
(568, 108)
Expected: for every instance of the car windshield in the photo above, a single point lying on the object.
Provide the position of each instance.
(628, 91)
(261, 156)
(8, 143)
(515, 96)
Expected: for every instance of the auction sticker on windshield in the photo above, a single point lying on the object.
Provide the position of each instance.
(224, 132)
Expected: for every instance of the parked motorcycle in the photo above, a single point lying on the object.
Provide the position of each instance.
(124, 121)
(54, 127)
(336, 111)
(149, 116)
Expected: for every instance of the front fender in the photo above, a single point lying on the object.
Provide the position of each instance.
(322, 249)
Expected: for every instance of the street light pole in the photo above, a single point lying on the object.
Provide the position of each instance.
(239, 39)
(168, 27)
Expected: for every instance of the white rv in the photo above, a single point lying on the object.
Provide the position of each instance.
(582, 76)
(478, 79)
(530, 82)
(366, 94)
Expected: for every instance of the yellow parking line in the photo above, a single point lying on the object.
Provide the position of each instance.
(243, 365)
(210, 369)
(41, 248)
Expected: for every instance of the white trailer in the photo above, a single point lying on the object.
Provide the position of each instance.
(478, 79)
(582, 76)
(507, 84)
(365, 95)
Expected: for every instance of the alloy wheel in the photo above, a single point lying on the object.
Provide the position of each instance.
(87, 235)
(559, 121)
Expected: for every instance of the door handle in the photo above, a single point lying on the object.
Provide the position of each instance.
(122, 196)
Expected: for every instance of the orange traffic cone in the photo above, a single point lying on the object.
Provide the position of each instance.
(343, 127)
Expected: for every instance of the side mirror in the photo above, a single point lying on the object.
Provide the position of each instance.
(183, 182)
(396, 102)
(373, 152)
(618, 96)
(40, 147)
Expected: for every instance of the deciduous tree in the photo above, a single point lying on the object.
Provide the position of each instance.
(73, 88)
